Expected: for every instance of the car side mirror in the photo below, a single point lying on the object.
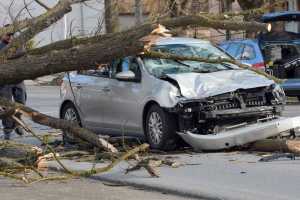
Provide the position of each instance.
(126, 76)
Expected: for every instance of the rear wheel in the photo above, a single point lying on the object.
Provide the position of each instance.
(161, 127)
(71, 114)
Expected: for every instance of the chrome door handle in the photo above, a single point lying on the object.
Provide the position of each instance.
(106, 89)
(78, 86)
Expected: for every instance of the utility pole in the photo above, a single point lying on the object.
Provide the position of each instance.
(138, 11)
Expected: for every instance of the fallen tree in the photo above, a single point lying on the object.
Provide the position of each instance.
(88, 53)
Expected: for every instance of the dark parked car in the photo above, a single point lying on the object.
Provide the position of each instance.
(277, 51)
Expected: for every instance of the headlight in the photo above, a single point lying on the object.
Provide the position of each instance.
(174, 92)
(278, 93)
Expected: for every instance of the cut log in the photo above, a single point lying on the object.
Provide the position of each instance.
(11, 149)
(271, 145)
(8, 163)
(62, 124)
(21, 153)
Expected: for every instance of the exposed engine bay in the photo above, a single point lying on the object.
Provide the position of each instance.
(283, 60)
(230, 110)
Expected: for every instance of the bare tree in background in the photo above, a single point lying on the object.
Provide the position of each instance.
(112, 21)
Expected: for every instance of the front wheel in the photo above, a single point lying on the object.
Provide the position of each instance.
(71, 114)
(161, 127)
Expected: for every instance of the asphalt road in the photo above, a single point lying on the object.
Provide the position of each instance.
(215, 178)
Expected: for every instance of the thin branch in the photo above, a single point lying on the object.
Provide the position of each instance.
(43, 5)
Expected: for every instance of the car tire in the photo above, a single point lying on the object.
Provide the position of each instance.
(70, 113)
(161, 127)
(298, 98)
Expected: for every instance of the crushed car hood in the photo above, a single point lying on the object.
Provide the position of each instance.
(202, 85)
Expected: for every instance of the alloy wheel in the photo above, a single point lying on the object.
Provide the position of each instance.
(70, 115)
(155, 128)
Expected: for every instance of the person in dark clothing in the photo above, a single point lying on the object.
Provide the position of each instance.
(17, 91)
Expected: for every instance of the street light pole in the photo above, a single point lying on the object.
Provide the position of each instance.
(138, 11)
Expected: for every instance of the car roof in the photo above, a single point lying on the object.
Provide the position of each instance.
(180, 40)
(281, 16)
(242, 40)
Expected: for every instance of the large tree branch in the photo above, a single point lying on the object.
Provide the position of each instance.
(199, 20)
(31, 32)
(81, 57)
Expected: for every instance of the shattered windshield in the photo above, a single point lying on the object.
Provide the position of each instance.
(158, 66)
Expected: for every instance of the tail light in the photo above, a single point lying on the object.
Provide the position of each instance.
(61, 82)
(260, 66)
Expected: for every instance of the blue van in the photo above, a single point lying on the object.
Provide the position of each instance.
(277, 52)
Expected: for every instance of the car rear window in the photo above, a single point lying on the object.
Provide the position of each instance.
(232, 50)
(248, 53)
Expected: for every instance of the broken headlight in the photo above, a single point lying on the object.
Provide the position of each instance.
(174, 92)
(278, 93)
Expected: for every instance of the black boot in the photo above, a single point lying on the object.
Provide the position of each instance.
(19, 131)
(7, 135)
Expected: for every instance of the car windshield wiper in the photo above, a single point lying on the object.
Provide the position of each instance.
(182, 63)
(227, 65)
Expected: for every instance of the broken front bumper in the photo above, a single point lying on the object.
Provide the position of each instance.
(242, 136)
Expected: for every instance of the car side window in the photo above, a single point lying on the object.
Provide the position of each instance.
(101, 71)
(239, 53)
(248, 53)
(124, 64)
(232, 50)
(224, 46)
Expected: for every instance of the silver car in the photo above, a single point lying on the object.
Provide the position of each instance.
(164, 99)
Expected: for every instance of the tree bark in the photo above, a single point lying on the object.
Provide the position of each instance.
(87, 57)
(112, 21)
(8, 112)
(143, 30)
(269, 145)
(62, 124)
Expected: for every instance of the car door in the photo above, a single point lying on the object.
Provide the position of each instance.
(121, 98)
(90, 99)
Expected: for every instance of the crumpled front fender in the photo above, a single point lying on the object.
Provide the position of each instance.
(241, 136)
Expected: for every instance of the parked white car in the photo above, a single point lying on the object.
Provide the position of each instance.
(205, 103)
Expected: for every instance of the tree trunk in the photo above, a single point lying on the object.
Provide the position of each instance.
(112, 21)
(269, 145)
(247, 5)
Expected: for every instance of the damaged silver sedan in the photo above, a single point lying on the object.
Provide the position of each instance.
(211, 106)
